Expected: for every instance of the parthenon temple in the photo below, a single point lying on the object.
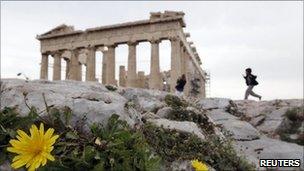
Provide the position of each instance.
(78, 48)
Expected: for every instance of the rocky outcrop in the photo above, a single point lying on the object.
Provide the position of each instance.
(270, 117)
(91, 98)
(268, 148)
(252, 125)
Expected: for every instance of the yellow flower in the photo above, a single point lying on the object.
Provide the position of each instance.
(33, 150)
(199, 166)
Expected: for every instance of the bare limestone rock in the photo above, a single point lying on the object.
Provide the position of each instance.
(164, 112)
(220, 114)
(182, 126)
(273, 121)
(89, 98)
(240, 130)
(146, 100)
(267, 148)
(213, 103)
(267, 116)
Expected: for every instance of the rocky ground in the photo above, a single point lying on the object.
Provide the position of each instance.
(260, 130)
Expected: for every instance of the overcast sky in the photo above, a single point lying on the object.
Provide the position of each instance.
(229, 36)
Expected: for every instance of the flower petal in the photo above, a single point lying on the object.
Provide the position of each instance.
(49, 133)
(41, 129)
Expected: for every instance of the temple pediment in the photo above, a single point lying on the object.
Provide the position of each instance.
(61, 29)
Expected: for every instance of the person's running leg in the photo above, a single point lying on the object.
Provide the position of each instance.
(254, 94)
(249, 88)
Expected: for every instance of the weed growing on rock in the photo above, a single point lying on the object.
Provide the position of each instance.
(174, 101)
(295, 114)
(111, 88)
(291, 129)
(182, 114)
(113, 146)
(10, 122)
(172, 145)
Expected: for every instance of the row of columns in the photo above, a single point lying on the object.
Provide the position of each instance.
(179, 59)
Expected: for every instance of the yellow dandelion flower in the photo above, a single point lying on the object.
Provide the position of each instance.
(33, 150)
(199, 166)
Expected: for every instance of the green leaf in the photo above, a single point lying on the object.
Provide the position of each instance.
(99, 166)
(71, 135)
(89, 153)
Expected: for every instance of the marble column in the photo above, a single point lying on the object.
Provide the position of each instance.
(187, 73)
(155, 81)
(141, 79)
(74, 65)
(110, 65)
(122, 76)
(104, 68)
(44, 66)
(183, 56)
(91, 66)
(57, 66)
(79, 72)
(175, 72)
(67, 68)
(132, 75)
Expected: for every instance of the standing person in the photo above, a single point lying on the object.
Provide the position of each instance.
(180, 84)
(251, 82)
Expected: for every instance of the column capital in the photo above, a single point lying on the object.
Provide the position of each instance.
(75, 50)
(100, 48)
(91, 47)
(154, 41)
(132, 43)
(56, 53)
(173, 38)
(111, 45)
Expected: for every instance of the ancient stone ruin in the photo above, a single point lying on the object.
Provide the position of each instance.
(79, 48)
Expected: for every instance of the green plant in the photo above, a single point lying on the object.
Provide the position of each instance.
(172, 145)
(295, 121)
(174, 101)
(10, 122)
(295, 114)
(111, 88)
(181, 114)
(114, 146)
(124, 149)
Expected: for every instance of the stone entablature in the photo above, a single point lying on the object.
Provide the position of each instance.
(78, 48)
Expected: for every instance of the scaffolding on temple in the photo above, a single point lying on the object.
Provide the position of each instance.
(208, 84)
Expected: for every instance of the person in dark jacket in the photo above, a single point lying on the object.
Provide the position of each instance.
(180, 84)
(250, 82)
